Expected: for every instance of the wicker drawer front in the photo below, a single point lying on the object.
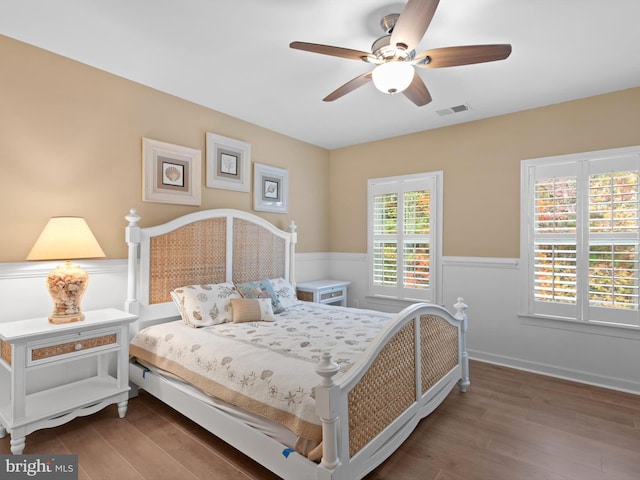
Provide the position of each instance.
(305, 296)
(37, 354)
(70, 346)
(5, 351)
(331, 295)
(65, 348)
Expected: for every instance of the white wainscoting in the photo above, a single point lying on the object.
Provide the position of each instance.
(488, 285)
(498, 335)
(23, 290)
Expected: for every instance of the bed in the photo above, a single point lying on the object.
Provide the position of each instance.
(361, 380)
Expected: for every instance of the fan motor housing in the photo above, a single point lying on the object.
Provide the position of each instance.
(383, 50)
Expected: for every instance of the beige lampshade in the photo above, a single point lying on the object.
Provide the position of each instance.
(66, 238)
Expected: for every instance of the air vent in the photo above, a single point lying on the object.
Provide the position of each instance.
(455, 109)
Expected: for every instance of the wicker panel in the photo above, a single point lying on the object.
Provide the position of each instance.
(191, 255)
(305, 296)
(64, 348)
(5, 351)
(385, 391)
(257, 253)
(439, 349)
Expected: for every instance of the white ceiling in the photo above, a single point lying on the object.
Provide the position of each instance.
(233, 56)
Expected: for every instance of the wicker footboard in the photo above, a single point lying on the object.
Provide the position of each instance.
(411, 369)
(390, 385)
(439, 349)
(385, 391)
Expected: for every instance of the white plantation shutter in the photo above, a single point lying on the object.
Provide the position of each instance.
(613, 241)
(403, 249)
(385, 234)
(580, 236)
(554, 234)
(416, 245)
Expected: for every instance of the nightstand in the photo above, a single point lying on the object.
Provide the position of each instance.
(332, 292)
(28, 346)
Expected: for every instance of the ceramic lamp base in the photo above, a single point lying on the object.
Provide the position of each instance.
(67, 283)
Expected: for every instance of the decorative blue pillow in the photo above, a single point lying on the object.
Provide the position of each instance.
(285, 292)
(261, 289)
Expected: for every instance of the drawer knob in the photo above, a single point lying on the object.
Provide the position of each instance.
(78, 346)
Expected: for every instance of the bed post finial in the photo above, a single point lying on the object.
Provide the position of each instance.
(325, 397)
(461, 308)
(327, 368)
(133, 218)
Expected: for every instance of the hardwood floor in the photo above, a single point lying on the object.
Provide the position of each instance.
(510, 425)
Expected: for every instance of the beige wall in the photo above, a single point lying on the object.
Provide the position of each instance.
(70, 144)
(481, 165)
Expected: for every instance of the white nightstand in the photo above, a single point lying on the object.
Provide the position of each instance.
(332, 292)
(30, 345)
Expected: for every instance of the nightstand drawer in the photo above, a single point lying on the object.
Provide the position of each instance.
(64, 347)
(331, 295)
(79, 345)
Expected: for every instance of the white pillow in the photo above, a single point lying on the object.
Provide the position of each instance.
(285, 292)
(205, 305)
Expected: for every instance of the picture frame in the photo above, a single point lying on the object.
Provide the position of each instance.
(228, 163)
(171, 173)
(270, 189)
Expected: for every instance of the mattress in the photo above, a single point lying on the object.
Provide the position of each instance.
(265, 368)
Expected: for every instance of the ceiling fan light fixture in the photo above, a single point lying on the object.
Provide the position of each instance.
(393, 77)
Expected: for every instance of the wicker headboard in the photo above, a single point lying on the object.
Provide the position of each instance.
(209, 246)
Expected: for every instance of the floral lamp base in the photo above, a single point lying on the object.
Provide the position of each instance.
(67, 283)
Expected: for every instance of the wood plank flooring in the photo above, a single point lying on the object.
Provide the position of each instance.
(510, 425)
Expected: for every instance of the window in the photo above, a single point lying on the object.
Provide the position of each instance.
(404, 236)
(579, 234)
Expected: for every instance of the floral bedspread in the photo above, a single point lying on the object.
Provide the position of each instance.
(264, 367)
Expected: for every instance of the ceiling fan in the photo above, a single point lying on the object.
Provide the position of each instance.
(395, 57)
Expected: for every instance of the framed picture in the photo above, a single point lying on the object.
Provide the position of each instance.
(171, 173)
(228, 163)
(270, 189)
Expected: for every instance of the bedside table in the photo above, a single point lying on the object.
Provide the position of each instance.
(27, 346)
(333, 292)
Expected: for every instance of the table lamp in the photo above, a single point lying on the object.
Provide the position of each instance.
(66, 238)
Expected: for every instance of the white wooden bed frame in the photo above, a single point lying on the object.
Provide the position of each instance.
(341, 459)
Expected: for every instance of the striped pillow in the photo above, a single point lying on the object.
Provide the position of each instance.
(251, 310)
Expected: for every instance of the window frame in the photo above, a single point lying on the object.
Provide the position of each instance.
(583, 166)
(435, 181)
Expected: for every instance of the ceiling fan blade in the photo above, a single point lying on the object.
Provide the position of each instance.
(413, 23)
(465, 55)
(350, 86)
(417, 91)
(329, 50)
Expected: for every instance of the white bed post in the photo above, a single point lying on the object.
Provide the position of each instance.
(292, 254)
(326, 395)
(461, 315)
(132, 237)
